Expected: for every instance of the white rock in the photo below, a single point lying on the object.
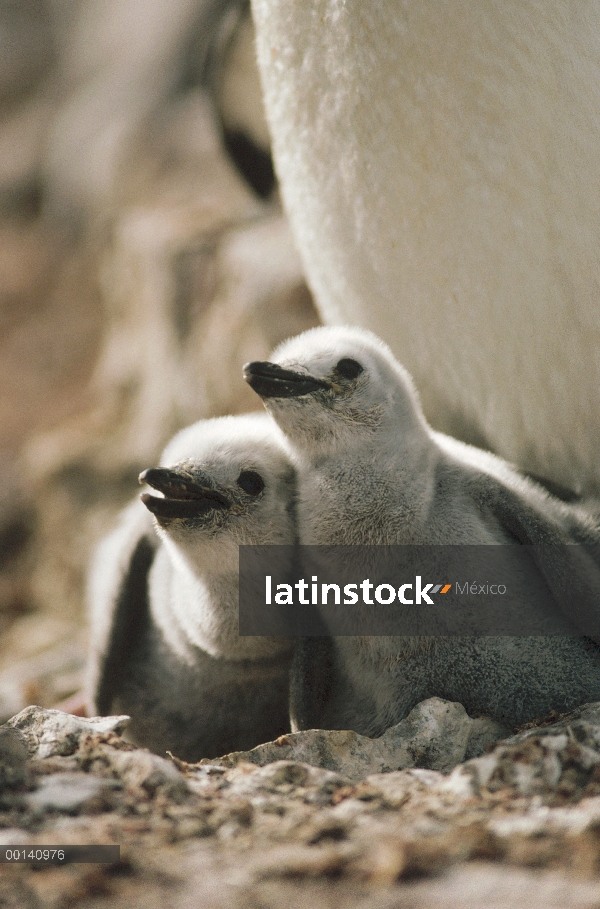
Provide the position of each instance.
(435, 735)
(52, 732)
(68, 793)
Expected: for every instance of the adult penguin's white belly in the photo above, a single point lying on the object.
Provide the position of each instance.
(440, 164)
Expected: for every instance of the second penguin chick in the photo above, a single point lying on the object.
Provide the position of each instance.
(164, 598)
(371, 472)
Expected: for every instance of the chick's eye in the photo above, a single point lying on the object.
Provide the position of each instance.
(348, 368)
(251, 482)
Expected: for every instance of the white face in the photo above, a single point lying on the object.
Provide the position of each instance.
(224, 483)
(359, 389)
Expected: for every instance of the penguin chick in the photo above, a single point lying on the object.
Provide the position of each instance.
(163, 595)
(371, 471)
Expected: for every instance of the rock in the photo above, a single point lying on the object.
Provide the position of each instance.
(51, 732)
(559, 763)
(144, 771)
(13, 757)
(589, 714)
(484, 733)
(397, 786)
(439, 734)
(436, 734)
(287, 778)
(71, 793)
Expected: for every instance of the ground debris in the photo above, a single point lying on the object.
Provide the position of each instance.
(248, 835)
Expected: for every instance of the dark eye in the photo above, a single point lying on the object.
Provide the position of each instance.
(251, 482)
(348, 368)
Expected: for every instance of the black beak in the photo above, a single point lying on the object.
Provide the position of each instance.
(272, 381)
(186, 495)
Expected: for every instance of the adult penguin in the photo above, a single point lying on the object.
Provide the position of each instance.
(440, 170)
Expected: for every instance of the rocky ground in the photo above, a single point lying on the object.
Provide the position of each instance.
(517, 826)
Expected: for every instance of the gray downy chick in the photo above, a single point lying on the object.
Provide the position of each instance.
(371, 471)
(163, 595)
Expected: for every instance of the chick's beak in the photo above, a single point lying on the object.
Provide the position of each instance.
(269, 380)
(185, 494)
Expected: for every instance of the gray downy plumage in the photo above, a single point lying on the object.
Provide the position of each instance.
(163, 595)
(371, 471)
